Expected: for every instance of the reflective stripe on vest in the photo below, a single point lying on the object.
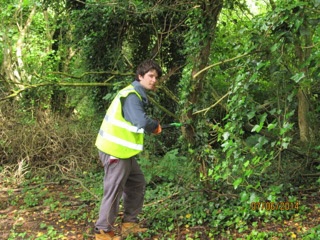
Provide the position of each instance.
(121, 124)
(121, 141)
(117, 136)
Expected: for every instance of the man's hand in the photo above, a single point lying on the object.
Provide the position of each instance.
(158, 129)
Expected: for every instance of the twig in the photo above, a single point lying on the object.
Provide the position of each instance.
(162, 200)
(27, 187)
(82, 185)
(311, 175)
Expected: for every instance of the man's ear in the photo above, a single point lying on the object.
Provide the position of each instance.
(140, 77)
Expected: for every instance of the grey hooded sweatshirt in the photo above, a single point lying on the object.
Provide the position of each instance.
(134, 109)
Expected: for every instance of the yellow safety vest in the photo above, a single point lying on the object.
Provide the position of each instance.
(118, 137)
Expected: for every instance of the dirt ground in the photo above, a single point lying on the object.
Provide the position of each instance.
(39, 220)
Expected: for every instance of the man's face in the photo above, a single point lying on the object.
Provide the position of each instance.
(149, 80)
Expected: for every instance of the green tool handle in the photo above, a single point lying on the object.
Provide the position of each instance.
(170, 125)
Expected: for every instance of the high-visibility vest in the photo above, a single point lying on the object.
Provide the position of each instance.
(118, 137)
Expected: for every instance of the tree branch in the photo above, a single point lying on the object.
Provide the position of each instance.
(219, 63)
(213, 105)
(162, 108)
(82, 185)
(89, 73)
(77, 84)
(26, 87)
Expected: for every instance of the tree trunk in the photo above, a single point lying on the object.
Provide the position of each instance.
(20, 71)
(210, 13)
(303, 110)
(302, 55)
(12, 68)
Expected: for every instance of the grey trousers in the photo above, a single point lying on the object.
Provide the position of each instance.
(122, 178)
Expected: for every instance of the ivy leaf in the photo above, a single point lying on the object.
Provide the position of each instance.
(226, 135)
(244, 196)
(275, 47)
(285, 145)
(271, 126)
(248, 173)
(254, 197)
(251, 115)
(256, 128)
(237, 182)
(246, 164)
(297, 77)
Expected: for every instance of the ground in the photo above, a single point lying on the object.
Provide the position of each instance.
(56, 212)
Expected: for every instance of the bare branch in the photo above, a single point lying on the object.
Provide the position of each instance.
(213, 105)
(26, 87)
(162, 108)
(219, 63)
(90, 73)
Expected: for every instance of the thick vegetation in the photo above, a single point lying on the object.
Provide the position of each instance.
(243, 80)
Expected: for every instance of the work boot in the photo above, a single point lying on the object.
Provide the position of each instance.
(102, 235)
(131, 228)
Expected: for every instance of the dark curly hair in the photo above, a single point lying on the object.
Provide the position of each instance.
(146, 66)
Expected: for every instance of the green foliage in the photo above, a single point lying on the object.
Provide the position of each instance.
(312, 233)
(77, 213)
(245, 149)
(251, 140)
(187, 209)
(172, 167)
(50, 233)
(52, 203)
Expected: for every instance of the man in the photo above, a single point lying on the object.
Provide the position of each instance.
(119, 140)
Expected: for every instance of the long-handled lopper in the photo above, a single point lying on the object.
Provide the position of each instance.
(170, 125)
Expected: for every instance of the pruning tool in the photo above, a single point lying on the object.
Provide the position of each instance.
(170, 125)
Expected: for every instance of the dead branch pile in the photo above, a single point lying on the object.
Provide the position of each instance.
(41, 140)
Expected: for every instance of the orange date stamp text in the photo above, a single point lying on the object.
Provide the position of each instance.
(274, 206)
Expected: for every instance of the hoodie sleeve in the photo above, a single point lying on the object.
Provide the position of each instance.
(133, 111)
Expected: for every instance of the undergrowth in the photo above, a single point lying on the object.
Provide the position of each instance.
(172, 210)
(53, 168)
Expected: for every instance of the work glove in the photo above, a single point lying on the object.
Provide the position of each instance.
(158, 129)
